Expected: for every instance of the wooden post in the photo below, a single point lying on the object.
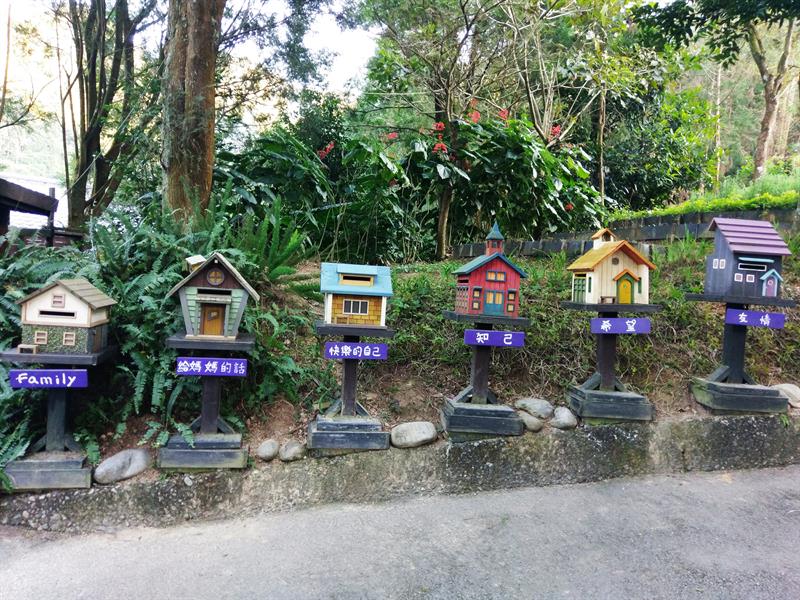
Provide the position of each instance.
(349, 380)
(5, 215)
(481, 361)
(733, 347)
(51, 232)
(606, 355)
(209, 416)
(56, 420)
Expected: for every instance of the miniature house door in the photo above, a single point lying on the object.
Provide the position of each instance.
(771, 286)
(211, 319)
(493, 303)
(625, 290)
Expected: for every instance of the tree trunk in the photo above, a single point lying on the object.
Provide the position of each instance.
(188, 151)
(765, 132)
(718, 129)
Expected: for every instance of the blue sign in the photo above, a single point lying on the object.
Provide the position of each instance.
(357, 350)
(507, 339)
(211, 367)
(620, 325)
(754, 318)
(48, 378)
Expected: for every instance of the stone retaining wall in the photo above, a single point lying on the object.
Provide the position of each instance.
(544, 458)
(643, 230)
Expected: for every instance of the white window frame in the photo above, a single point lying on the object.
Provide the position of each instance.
(356, 313)
(750, 278)
(738, 277)
(69, 338)
(748, 266)
(722, 263)
(40, 338)
(58, 300)
(715, 264)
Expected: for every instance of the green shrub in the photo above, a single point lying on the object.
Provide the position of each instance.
(764, 201)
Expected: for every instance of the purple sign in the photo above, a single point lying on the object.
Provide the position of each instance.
(358, 350)
(211, 367)
(48, 378)
(480, 337)
(754, 318)
(620, 325)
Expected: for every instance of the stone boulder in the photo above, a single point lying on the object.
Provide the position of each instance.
(123, 465)
(563, 419)
(531, 423)
(292, 450)
(268, 450)
(411, 435)
(541, 409)
(791, 391)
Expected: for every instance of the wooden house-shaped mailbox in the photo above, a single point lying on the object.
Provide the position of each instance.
(355, 294)
(68, 316)
(213, 298)
(746, 261)
(489, 284)
(612, 272)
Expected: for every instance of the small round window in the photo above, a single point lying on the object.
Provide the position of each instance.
(215, 276)
(615, 261)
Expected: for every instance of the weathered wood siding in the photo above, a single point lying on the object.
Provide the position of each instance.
(477, 279)
(232, 311)
(372, 318)
(31, 309)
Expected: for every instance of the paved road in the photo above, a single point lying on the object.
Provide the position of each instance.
(717, 535)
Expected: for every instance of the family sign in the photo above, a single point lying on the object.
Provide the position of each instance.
(48, 378)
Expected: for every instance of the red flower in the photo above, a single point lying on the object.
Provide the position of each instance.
(569, 206)
(438, 126)
(503, 114)
(440, 136)
(329, 147)
(439, 147)
(475, 116)
(555, 131)
(392, 182)
(322, 154)
(391, 135)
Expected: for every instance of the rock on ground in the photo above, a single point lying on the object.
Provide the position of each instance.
(563, 419)
(541, 409)
(416, 433)
(531, 423)
(791, 391)
(123, 465)
(292, 450)
(268, 450)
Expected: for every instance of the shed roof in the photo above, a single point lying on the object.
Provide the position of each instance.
(79, 287)
(228, 267)
(744, 235)
(595, 256)
(329, 279)
(479, 261)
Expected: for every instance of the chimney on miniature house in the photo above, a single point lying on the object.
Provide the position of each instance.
(193, 262)
(494, 241)
(603, 236)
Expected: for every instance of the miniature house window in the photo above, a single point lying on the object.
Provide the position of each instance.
(751, 278)
(476, 305)
(606, 237)
(722, 263)
(215, 277)
(69, 338)
(356, 307)
(715, 264)
(463, 279)
(510, 308)
(495, 276)
(40, 337)
(615, 261)
(476, 293)
(356, 279)
(738, 277)
(512, 295)
(589, 284)
(745, 266)
(58, 301)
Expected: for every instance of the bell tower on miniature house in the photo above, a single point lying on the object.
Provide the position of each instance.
(489, 284)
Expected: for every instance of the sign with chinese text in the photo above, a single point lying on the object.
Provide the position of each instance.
(620, 325)
(48, 378)
(211, 367)
(359, 350)
(754, 318)
(509, 339)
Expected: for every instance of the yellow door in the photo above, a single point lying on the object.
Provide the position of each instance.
(625, 291)
(211, 317)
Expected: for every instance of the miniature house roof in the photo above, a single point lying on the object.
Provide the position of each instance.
(330, 279)
(495, 234)
(479, 261)
(194, 261)
(590, 260)
(603, 232)
(758, 237)
(227, 266)
(771, 273)
(79, 287)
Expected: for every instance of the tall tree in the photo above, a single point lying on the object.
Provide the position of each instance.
(728, 26)
(189, 113)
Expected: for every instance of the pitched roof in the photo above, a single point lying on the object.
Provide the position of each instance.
(479, 261)
(495, 234)
(79, 287)
(600, 233)
(595, 256)
(228, 267)
(744, 235)
(329, 280)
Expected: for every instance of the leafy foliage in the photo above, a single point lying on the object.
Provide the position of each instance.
(787, 200)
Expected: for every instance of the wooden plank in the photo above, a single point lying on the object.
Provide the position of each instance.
(56, 419)
(610, 405)
(58, 461)
(494, 425)
(739, 403)
(612, 308)
(478, 410)
(60, 359)
(349, 384)
(242, 343)
(740, 389)
(487, 319)
(209, 416)
(357, 440)
(197, 458)
(4, 219)
(22, 199)
(48, 479)
(207, 441)
(479, 378)
(331, 329)
(343, 423)
(726, 299)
